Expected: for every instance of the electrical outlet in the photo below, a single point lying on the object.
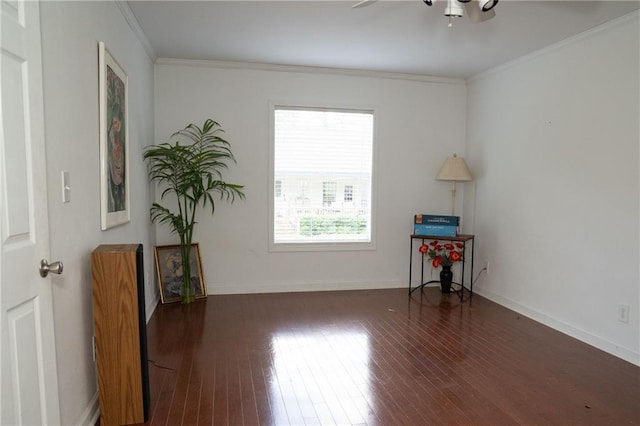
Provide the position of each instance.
(623, 313)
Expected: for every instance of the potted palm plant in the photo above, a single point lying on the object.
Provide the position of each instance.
(192, 172)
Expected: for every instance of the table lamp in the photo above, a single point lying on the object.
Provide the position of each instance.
(455, 170)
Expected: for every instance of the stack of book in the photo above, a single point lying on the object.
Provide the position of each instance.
(435, 225)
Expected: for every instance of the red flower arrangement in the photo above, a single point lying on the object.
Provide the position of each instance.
(442, 254)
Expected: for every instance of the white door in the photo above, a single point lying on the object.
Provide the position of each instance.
(29, 391)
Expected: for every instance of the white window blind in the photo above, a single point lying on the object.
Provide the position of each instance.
(318, 152)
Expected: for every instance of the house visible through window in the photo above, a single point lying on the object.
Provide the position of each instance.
(329, 190)
(316, 152)
(348, 193)
(277, 190)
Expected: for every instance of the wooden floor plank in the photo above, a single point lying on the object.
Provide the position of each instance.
(376, 357)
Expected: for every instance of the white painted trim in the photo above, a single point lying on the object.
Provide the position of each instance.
(307, 70)
(303, 287)
(607, 26)
(626, 354)
(89, 416)
(128, 16)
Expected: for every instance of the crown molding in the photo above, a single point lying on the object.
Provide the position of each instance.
(602, 28)
(306, 70)
(133, 23)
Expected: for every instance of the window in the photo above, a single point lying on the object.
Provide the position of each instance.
(315, 152)
(348, 193)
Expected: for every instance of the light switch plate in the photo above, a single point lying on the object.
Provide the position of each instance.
(66, 187)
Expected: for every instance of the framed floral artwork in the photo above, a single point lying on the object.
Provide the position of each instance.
(169, 267)
(114, 141)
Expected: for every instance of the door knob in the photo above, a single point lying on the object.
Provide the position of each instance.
(54, 268)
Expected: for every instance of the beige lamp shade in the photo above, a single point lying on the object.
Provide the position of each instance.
(454, 169)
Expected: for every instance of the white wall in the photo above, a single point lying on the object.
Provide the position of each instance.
(70, 35)
(418, 123)
(553, 142)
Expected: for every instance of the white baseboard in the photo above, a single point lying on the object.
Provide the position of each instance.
(582, 335)
(302, 286)
(90, 415)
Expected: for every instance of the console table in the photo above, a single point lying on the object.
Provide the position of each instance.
(465, 239)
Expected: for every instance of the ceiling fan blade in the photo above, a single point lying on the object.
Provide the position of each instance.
(475, 13)
(363, 3)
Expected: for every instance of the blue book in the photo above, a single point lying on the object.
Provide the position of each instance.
(430, 219)
(435, 230)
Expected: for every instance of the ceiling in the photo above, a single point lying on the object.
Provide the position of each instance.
(402, 36)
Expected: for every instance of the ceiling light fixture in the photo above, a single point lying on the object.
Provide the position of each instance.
(477, 10)
(453, 10)
(487, 5)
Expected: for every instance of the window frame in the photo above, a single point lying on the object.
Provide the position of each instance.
(319, 246)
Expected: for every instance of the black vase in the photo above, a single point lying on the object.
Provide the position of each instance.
(446, 277)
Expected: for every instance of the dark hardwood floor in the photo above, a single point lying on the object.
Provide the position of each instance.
(376, 358)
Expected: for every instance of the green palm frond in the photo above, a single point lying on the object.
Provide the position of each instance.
(192, 171)
(163, 215)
